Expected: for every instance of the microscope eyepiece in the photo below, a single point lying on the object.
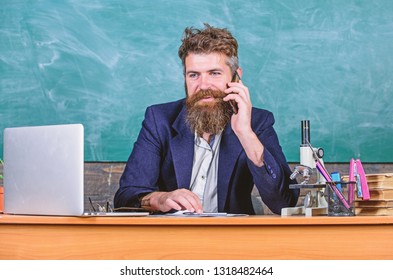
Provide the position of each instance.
(305, 128)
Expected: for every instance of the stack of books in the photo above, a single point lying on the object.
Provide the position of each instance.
(381, 196)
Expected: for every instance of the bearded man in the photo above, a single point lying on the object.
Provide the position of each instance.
(205, 153)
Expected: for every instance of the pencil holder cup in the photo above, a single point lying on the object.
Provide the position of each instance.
(340, 199)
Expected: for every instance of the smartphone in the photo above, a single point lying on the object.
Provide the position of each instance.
(233, 103)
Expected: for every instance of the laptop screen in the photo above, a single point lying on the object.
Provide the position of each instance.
(43, 170)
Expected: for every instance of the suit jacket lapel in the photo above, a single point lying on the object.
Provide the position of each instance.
(182, 147)
(229, 152)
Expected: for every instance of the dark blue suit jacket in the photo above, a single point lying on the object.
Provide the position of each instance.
(162, 160)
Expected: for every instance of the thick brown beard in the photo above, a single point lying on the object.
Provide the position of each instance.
(210, 117)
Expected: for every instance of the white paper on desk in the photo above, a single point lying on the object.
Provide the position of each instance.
(185, 213)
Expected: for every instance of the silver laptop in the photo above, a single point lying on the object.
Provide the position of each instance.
(43, 171)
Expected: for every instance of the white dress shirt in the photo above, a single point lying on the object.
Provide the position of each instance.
(205, 171)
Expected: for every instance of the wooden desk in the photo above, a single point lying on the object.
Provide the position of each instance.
(144, 238)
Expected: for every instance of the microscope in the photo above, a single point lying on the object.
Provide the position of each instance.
(310, 179)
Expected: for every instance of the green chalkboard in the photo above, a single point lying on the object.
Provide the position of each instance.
(102, 62)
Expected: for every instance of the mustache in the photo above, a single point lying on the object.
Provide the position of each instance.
(212, 93)
(201, 94)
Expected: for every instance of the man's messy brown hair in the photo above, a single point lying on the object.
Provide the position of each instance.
(209, 40)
